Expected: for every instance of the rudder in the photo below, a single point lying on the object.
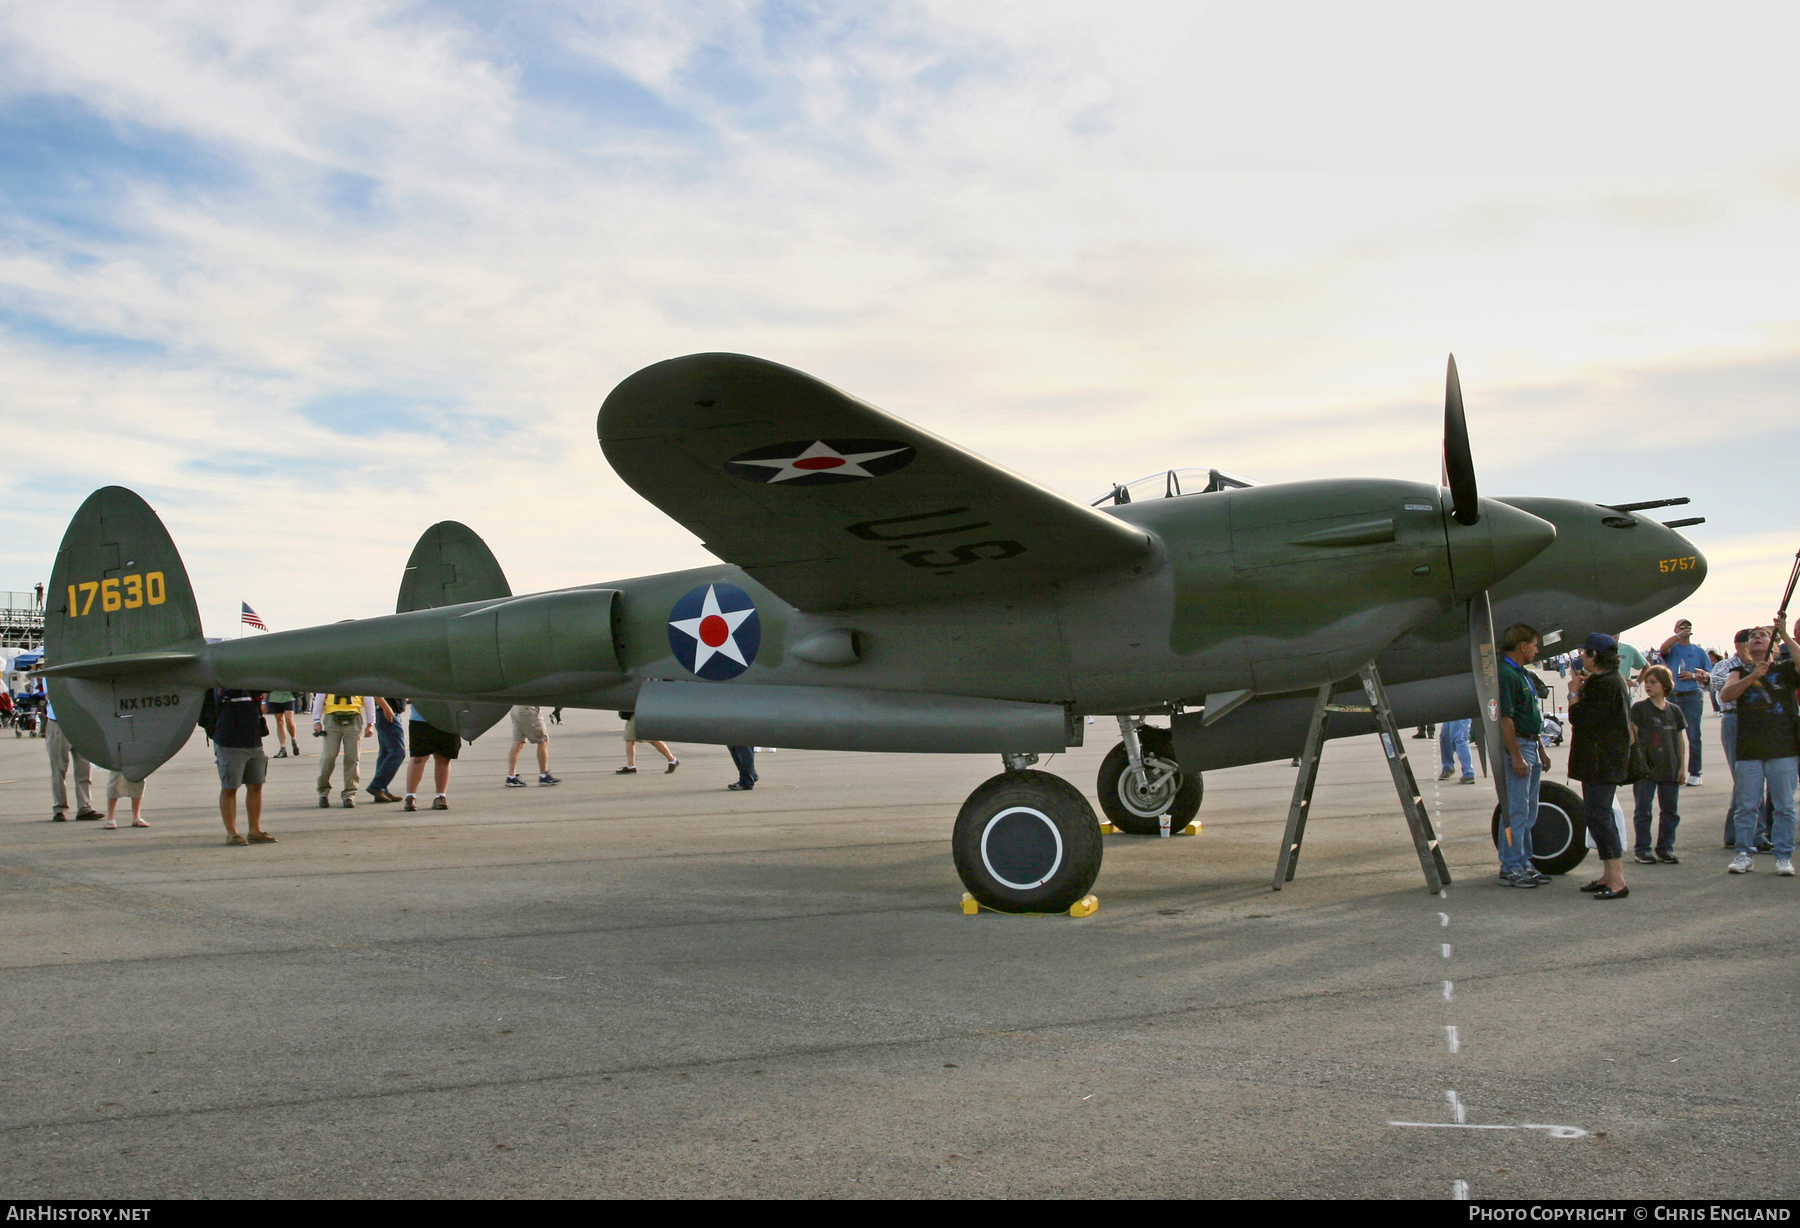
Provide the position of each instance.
(451, 565)
(119, 590)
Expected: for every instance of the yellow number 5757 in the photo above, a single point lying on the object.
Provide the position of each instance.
(1686, 564)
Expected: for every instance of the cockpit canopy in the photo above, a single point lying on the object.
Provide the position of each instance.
(1172, 484)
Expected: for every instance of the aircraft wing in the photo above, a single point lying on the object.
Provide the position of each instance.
(833, 504)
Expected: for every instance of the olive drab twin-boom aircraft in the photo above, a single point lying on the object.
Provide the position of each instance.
(885, 590)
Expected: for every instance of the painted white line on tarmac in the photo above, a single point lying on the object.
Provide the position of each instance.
(1549, 1131)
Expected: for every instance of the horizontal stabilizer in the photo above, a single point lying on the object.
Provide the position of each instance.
(122, 666)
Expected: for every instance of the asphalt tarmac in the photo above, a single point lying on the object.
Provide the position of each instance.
(648, 986)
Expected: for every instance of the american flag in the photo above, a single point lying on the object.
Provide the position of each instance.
(253, 619)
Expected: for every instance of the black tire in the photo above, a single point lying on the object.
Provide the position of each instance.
(1137, 812)
(1559, 837)
(1027, 842)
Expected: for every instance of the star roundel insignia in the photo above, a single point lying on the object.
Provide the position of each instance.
(820, 462)
(715, 632)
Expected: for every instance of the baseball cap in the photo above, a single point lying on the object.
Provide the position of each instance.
(1599, 641)
(1742, 637)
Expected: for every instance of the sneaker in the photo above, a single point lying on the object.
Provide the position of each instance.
(1446, 774)
(440, 802)
(1784, 866)
(324, 802)
(736, 787)
(1519, 878)
(59, 817)
(349, 803)
(1644, 857)
(1740, 864)
(1762, 846)
(296, 750)
(410, 804)
(1668, 859)
(92, 816)
(1693, 778)
(282, 753)
(513, 782)
(1543, 879)
(548, 779)
(1468, 780)
(673, 764)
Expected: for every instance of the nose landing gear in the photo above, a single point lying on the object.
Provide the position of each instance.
(1140, 781)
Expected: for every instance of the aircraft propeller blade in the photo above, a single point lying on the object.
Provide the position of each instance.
(1459, 466)
(1484, 663)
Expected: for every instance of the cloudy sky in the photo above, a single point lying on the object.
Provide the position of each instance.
(310, 277)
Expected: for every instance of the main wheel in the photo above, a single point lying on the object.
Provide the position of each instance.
(1027, 842)
(1558, 842)
(1134, 801)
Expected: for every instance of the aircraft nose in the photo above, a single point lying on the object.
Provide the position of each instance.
(1501, 542)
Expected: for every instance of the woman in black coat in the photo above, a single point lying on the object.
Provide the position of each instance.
(1600, 715)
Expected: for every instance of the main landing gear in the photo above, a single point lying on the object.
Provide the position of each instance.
(1027, 841)
(1140, 781)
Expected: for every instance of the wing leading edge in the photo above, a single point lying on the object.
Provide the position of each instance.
(833, 504)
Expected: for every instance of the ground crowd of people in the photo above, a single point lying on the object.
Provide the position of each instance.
(1654, 744)
(238, 722)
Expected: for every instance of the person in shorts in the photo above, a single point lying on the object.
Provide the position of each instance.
(528, 726)
(281, 705)
(237, 734)
(631, 741)
(427, 741)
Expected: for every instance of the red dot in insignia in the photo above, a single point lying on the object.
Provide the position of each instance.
(819, 462)
(713, 631)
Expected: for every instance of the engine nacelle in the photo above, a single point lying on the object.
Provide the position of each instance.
(548, 643)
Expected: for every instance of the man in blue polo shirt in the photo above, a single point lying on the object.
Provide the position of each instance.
(1692, 668)
(1521, 721)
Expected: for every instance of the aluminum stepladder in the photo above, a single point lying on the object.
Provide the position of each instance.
(1425, 838)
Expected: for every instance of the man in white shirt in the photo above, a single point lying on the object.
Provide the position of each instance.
(343, 721)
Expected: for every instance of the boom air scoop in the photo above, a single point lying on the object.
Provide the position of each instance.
(122, 636)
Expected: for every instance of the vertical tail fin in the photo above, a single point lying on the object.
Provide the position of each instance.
(449, 566)
(122, 636)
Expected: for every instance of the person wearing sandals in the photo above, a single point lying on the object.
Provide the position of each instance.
(631, 741)
(1661, 728)
(116, 787)
(235, 721)
(1600, 754)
